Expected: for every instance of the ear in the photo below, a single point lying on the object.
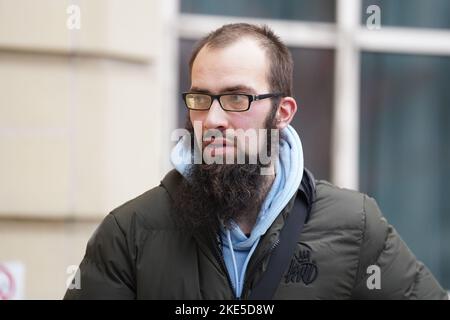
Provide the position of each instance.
(286, 111)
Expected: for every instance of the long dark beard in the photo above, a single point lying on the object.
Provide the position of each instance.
(215, 193)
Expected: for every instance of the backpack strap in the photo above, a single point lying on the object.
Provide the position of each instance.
(282, 254)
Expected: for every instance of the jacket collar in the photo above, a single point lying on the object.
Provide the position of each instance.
(307, 190)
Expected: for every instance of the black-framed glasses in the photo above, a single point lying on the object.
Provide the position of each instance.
(234, 102)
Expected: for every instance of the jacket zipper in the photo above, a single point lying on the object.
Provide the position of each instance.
(270, 250)
(219, 258)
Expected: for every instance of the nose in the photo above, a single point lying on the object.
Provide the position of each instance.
(216, 117)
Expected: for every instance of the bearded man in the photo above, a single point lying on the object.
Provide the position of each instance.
(240, 217)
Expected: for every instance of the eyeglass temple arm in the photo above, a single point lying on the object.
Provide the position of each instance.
(264, 96)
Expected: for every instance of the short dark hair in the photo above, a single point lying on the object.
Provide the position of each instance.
(278, 55)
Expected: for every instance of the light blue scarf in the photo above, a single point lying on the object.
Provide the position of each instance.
(237, 247)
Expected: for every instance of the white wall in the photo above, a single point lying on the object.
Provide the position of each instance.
(85, 122)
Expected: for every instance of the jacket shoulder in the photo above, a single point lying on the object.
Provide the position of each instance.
(339, 207)
(357, 221)
(342, 208)
(152, 209)
(355, 214)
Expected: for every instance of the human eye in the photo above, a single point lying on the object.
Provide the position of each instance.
(200, 98)
(198, 101)
(235, 101)
(236, 98)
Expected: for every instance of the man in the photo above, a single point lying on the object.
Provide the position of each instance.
(210, 229)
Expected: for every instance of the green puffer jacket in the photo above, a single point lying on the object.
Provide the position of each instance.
(138, 253)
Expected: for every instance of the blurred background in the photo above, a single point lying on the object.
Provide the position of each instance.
(89, 95)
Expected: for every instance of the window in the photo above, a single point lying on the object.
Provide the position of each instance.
(412, 13)
(317, 10)
(405, 155)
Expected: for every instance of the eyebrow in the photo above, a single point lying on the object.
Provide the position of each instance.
(237, 88)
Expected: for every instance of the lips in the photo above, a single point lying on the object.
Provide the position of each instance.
(218, 143)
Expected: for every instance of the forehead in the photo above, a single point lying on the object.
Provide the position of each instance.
(242, 63)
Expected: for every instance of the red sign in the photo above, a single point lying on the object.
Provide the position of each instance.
(7, 284)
